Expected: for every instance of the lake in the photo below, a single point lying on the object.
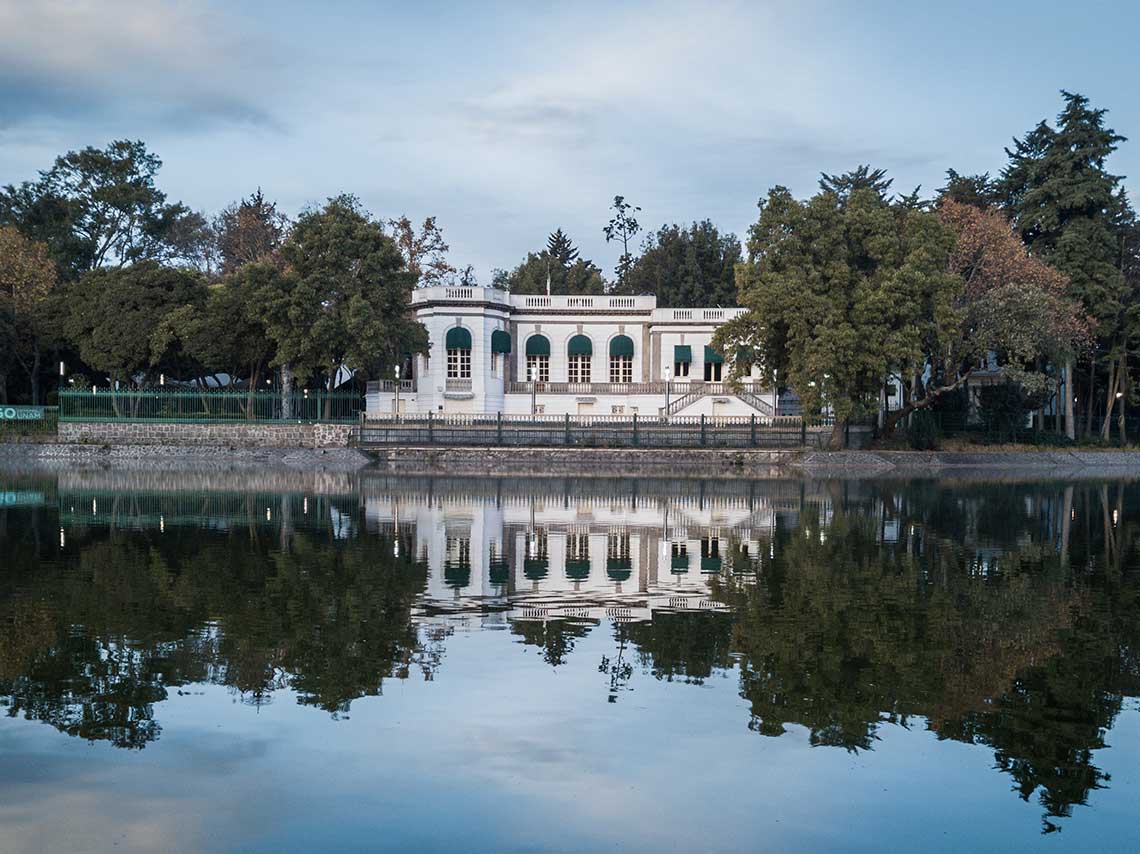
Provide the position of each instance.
(276, 660)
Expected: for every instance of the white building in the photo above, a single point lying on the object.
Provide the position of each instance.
(586, 355)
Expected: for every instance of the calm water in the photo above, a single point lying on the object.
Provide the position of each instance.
(281, 661)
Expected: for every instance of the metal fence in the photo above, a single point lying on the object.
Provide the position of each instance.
(209, 405)
(594, 431)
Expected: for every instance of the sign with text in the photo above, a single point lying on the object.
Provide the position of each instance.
(21, 413)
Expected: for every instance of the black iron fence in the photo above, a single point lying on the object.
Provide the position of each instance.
(594, 431)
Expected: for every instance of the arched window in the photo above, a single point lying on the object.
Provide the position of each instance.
(579, 353)
(500, 346)
(621, 359)
(538, 359)
(458, 345)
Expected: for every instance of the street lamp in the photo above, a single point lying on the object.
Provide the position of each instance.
(668, 376)
(396, 402)
(532, 372)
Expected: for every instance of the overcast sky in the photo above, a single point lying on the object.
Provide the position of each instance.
(506, 120)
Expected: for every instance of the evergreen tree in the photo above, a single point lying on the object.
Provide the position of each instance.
(1071, 212)
(692, 266)
(976, 190)
(561, 251)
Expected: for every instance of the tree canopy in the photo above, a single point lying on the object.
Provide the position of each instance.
(841, 291)
(693, 266)
(98, 207)
(112, 315)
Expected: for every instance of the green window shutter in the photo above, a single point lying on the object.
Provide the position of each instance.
(580, 345)
(619, 569)
(458, 338)
(577, 570)
(500, 341)
(683, 353)
(538, 345)
(536, 569)
(622, 345)
(712, 357)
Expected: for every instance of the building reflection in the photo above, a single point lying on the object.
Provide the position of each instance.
(529, 554)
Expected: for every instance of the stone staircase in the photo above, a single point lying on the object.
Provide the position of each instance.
(699, 390)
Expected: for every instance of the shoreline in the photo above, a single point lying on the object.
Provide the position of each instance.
(498, 462)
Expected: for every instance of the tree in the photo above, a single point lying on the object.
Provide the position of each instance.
(112, 316)
(98, 207)
(622, 226)
(560, 250)
(424, 252)
(977, 190)
(859, 178)
(249, 231)
(27, 279)
(841, 291)
(1071, 212)
(691, 266)
(348, 305)
(228, 333)
(531, 276)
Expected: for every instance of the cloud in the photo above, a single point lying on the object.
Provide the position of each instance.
(168, 63)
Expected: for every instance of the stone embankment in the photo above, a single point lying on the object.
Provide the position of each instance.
(223, 435)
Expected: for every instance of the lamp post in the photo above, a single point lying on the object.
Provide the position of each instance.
(668, 376)
(396, 402)
(532, 372)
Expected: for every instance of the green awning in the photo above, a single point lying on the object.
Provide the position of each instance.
(622, 345)
(500, 572)
(535, 568)
(710, 564)
(712, 357)
(577, 570)
(500, 341)
(456, 574)
(538, 345)
(580, 345)
(680, 563)
(683, 353)
(458, 338)
(619, 569)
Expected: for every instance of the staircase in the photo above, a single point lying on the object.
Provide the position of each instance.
(679, 403)
(697, 391)
(756, 402)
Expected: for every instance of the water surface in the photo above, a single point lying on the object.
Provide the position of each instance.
(266, 660)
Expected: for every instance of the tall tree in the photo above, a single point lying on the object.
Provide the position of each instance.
(99, 207)
(623, 227)
(249, 231)
(687, 266)
(841, 291)
(531, 276)
(560, 250)
(1070, 211)
(424, 251)
(27, 279)
(350, 305)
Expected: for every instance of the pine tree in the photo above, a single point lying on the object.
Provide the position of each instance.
(560, 250)
(1070, 212)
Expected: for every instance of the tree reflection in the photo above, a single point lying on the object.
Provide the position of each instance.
(971, 617)
(91, 640)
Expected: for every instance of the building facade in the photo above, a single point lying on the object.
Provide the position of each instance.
(494, 352)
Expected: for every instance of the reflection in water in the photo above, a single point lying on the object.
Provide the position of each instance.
(995, 614)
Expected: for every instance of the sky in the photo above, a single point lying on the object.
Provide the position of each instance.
(506, 120)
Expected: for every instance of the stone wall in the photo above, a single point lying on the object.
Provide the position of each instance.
(254, 435)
